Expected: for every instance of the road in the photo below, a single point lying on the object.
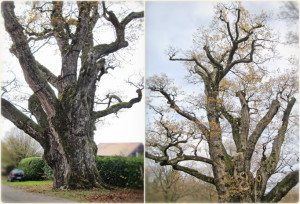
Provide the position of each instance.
(13, 195)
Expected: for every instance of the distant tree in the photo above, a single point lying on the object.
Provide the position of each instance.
(169, 185)
(16, 145)
(239, 100)
(290, 14)
(64, 108)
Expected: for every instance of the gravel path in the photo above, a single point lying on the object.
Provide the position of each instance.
(13, 195)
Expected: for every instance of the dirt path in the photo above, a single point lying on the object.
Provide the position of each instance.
(13, 195)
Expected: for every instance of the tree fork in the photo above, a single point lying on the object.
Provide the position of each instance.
(65, 124)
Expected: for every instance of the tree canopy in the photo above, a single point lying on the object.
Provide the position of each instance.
(237, 117)
(64, 108)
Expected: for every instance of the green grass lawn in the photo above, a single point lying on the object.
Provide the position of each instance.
(26, 183)
(92, 195)
(45, 187)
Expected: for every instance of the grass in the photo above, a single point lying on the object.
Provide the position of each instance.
(27, 183)
(92, 195)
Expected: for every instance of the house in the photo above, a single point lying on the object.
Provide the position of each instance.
(120, 149)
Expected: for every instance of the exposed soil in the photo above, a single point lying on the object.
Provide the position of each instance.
(119, 196)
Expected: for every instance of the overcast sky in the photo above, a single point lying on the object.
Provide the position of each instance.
(129, 124)
(167, 24)
(174, 23)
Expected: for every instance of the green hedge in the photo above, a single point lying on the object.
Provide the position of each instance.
(33, 168)
(116, 171)
(48, 172)
(121, 171)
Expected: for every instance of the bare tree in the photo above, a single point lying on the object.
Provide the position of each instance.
(165, 184)
(170, 182)
(16, 145)
(290, 14)
(239, 98)
(64, 123)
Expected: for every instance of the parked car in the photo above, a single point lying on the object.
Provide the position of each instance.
(16, 175)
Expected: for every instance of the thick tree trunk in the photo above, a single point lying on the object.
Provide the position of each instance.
(65, 124)
(71, 148)
(74, 166)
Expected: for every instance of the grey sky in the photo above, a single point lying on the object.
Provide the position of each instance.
(171, 23)
(167, 23)
(174, 23)
(128, 125)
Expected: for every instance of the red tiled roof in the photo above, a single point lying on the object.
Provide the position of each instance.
(116, 149)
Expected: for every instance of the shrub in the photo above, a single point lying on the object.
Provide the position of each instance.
(33, 168)
(9, 168)
(122, 171)
(48, 172)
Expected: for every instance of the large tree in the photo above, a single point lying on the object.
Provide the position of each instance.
(63, 106)
(239, 103)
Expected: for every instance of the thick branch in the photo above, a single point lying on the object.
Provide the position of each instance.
(282, 188)
(27, 61)
(245, 119)
(156, 158)
(83, 26)
(262, 124)
(20, 120)
(36, 109)
(59, 24)
(48, 75)
(194, 173)
(236, 24)
(221, 17)
(164, 161)
(189, 157)
(244, 60)
(115, 108)
(131, 16)
(120, 42)
(212, 59)
(235, 126)
(278, 141)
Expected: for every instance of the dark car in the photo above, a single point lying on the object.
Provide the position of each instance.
(16, 175)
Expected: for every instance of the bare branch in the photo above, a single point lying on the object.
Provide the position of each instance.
(245, 119)
(27, 61)
(48, 75)
(262, 124)
(115, 108)
(194, 173)
(274, 157)
(282, 188)
(21, 120)
(181, 112)
(59, 24)
(120, 42)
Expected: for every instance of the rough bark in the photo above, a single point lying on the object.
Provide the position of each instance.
(65, 124)
(282, 188)
(232, 175)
